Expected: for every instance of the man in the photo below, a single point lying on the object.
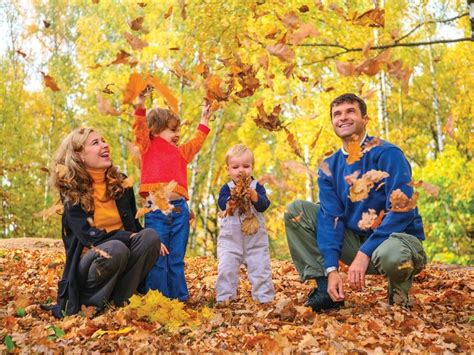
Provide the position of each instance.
(324, 233)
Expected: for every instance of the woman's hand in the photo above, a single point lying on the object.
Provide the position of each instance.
(163, 250)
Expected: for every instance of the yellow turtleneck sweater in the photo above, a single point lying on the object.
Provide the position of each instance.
(106, 214)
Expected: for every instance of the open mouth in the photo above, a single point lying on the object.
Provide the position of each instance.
(104, 155)
(344, 125)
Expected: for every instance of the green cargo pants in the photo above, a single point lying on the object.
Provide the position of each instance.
(398, 258)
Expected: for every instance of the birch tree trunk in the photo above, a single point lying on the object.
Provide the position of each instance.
(435, 103)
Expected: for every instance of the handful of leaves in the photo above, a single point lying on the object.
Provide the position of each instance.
(240, 201)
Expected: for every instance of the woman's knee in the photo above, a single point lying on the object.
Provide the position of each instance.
(150, 237)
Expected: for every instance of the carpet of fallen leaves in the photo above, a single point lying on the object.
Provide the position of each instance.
(441, 318)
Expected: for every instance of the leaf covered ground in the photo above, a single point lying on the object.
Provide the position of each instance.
(441, 319)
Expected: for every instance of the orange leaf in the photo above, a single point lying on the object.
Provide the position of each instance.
(136, 24)
(135, 86)
(293, 144)
(306, 30)
(165, 92)
(346, 69)
(401, 203)
(354, 151)
(50, 82)
(430, 189)
(371, 18)
(168, 13)
(121, 58)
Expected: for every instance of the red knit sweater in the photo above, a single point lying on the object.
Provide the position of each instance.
(162, 161)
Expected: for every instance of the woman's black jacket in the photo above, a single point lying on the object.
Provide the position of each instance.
(77, 233)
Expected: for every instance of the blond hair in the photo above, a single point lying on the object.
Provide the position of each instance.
(159, 119)
(238, 150)
(69, 175)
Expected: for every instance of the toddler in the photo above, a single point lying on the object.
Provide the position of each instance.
(233, 246)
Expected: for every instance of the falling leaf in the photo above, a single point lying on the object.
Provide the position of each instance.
(50, 82)
(23, 54)
(370, 220)
(136, 24)
(134, 152)
(306, 30)
(297, 218)
(51, 211)
(122, 57)
(135, 86)
(168, 13)
(105, 107)
(102, 253)
(346, 69)
(128, 182)
(430, 189)
(315, 139)
(46, 24)
(354, 150)
(324, 167)
(135, 42)
(142, 211)
(160, 197)
(282, 52)
(268, 121)
(182, 7)
(165, 92)
(291, 20)
(449, 126)
(303, 8)
(401, 203)
(371, 18)
(290, 138)
(360, 187)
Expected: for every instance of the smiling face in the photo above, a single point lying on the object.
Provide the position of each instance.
(171, 134)
(240, 165)
(346, 119)
(96, 152)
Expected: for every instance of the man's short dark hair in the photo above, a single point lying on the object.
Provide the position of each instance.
(351, 98)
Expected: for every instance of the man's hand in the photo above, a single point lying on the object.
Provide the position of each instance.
(252, 194)
(335, 286)
(357, 271)
(164, 250)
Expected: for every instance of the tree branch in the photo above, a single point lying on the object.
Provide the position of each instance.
(428, 22)
(385, 46)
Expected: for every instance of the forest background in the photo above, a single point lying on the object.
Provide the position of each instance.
(271, 68)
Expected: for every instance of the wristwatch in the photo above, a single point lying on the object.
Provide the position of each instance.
(330, 269)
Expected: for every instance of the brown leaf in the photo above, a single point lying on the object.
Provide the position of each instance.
(136, 24)
(430, 189)
(360, 188)
(105, 107)
(291, 20)
(306, 30)
(282, 52)
(268, 121)
(290, 138)
(160, 197)
(371, 18)
(23, 54)
(182, 8)
(50, 82)
(168, 13)
(346, 69)
(135, 42)
(51, 211)
(303, 8)
(46, 24)
(121, 57)
(401, 203)
(449, 126)
(324, 167)
(250, 225)
(297, 218)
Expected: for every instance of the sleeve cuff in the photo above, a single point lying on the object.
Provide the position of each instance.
(203, 128)
(329, 269)
(140, 112)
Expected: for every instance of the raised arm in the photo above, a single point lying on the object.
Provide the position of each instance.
(140, 128)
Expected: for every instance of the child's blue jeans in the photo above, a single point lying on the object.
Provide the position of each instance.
(167, 275)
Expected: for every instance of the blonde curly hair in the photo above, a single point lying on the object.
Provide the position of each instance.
(70, 178)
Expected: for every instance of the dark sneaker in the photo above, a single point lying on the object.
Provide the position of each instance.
(319, 300)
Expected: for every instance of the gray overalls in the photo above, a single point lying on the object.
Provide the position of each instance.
(234, 248)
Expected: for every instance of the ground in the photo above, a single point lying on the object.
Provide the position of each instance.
(440, 320)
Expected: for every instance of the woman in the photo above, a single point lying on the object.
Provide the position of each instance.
(108, 254)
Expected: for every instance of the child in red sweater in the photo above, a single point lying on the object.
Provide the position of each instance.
(157, 135)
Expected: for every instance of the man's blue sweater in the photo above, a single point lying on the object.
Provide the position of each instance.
(338, 212)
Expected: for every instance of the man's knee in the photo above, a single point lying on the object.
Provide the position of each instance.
(395, 263)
